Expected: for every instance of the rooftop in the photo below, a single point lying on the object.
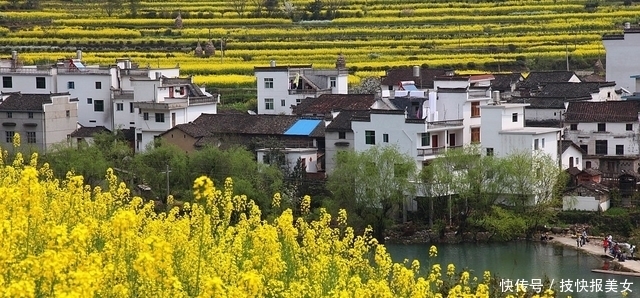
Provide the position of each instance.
(26, 102)
(605, 111)
(424, 81)
(537, 77)
(531, 130)
(565, 144)
(503, 82)
(342, 122)
(88, 132)
(326, 103)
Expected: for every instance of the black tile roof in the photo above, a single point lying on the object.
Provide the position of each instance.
(326, 103)
(427, 75)
(537, 77)
(565, 144)
(342, 122)
(604, 111)
(408, 104)
(503, 82)
(571, 90)
(540, 103)
(590, 185)
(88, 132)
(25, 102)
(573, 171)
(245, 123)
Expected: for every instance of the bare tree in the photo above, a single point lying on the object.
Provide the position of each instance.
(259, 4)
(332, 7)
(239, 6)
(112, 6)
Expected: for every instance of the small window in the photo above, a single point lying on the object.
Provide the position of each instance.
(68, 113)
(131, 107)
(283, 102)
(298, 101)
(425, 139)
(9, 135)
(71, 85)
(514, 117)
(619, 149)
(98, 85)
(475, 135)
(7, 82)
(475, 109)
(41, 83)
(342, 135)
(145, 116)
(369, 137)
(268, 83)
(573, 127)
(30, 115)
(602, 147)
(89, 101)
(9, 114)
(608, 94)
(585, 148)
(159, 117)
(602, 127)
(119, 106)
(542, 143)
(98, 105)
(587, 165)
(536, 144)
(629, 127)
(385, 138)
(31, 137)
(268, 103)
(489, 151)
(332, 82)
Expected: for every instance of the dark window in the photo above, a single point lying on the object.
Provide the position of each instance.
(119, 106)
(535, 144)
(602, 127)
(68, 112)
(332, 82)
(31, 137)
(30, 115)
(342, 135)
(7, 82)
(268, 83)
(574, 127)
(514, 117)
(489, 151)
(475, 135)
(385, 138)
(41, 83)
(587, 165)
(619, 149)
(98, 85)
(71, 85)
(369, 137)
(159, 117)
(9, 114)
(629, 127)
(601, 147)
(130, 107)
(9, 135)
(283, 102)
(145, 116)
(89, 101)
(585, 148)
(98, 106)
(425, 139)
(475, 109)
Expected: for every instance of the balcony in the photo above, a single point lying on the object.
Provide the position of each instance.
(435, 151)
(175, 103)
(203, 100)
(86, 70)
(444, 124)
(308, 91)
(123, 94)
(25, 70)
(478, 94)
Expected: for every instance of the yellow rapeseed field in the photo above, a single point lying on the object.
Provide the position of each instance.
(62, 238)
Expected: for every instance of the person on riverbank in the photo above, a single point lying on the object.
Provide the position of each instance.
(605, 244)
(584, 237)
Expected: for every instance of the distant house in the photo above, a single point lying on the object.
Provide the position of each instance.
(531, 84)
(393, 77)
(41, 119)
(506, 84)
(589, 175)
(587, 196)
(339, 134)
(86, 134)
(571, 155)
(324, 104)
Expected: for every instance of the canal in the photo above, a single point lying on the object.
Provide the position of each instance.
(526, 261)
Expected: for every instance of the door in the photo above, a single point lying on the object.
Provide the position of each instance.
(452, 140)
(173, 119)
(434, 141)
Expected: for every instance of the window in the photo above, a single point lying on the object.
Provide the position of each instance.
(602, 127)
(601, 147)
(573, 127)
(89, 101)
(608, 94)
(385, 138)
(268, 103)
(475, 109)
(283, 102)
(145, 116)
(369, 137)
(31, 137)
(7, 82)
(9, 114)
(159, 117)
(30, 115)
(71, 85)
(475, 135)
(342, 135)
(542, 143)
(9, 135)
(119, 106)
(332, 82)
(535, 144)
(585, 148)
(514, 117)
(425, 139)
(577, 160)
(68, 113)
(489, 151)
(98, 105)
(130, 107)
(298, 101)
(587, 165)
(98, 85)
(619, 149)
(268, 83)
(41, 83)
(629, 126)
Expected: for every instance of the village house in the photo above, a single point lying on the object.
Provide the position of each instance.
(588, 196)
(571, 155)
(530, 86)
(86, 135)
(42, 120)
(607, 132)
(421, 78)
(506, 84)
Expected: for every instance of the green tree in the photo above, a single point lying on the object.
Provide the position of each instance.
(133, 7)
(83, 159)
(112, 6)
(372, 182)
(315, 8)
(271, 6)
(239, 6)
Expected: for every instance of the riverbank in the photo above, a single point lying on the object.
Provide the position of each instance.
(594, 247)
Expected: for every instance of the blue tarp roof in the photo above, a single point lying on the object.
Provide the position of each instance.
(302, 127)
(409, 87)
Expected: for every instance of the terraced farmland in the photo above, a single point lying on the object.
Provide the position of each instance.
(374, 35)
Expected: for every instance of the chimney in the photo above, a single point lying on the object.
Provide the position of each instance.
(272, 63)
(14, 59)
(627, 25)
(79, 55)
(416, 71)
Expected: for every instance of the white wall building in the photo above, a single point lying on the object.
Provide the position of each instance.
(571, 154)
(280, 87)
(620, 67)
(308, 156)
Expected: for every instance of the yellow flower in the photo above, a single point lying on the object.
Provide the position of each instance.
(433, 251)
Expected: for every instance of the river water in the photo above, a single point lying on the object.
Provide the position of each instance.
(526, 261)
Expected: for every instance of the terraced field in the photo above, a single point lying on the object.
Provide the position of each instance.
(374, 35)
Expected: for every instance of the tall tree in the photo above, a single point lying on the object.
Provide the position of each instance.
(258, 5)
(271, 6)
(372, 182)
(239, 6)
(133, 7)
(332, 7)
(112, 6)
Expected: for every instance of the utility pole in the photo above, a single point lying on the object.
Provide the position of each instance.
(167, 171)
(566, 48)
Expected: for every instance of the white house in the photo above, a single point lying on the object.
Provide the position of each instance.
(280, 87)
(619, 50)
(308, 156)
(503, 132)
(607, 132)
(571, 155)
(162, 103)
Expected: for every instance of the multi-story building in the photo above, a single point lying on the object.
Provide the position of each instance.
(281, 87)
(42, 120)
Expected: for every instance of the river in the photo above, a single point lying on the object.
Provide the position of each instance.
(526, 261)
